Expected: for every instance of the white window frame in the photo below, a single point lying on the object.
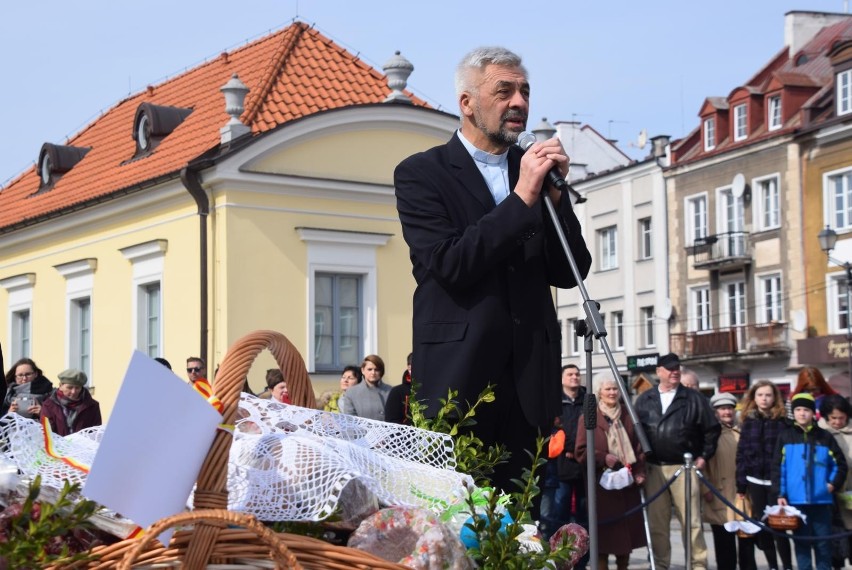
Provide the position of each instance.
(773, 113)
(617, 324)
(741, 122)
(573, 339)
(79, 286)
(739, 315)
(762, 308)
(646, 238)
(335, 251)
(839, 221)
(337, 321)
(148, 260)
(767, 217)
(700, 308)
(844, 92)
(649, 333)
(608, 248)
(692, 213)
(20, 295)
(710, 133)
(836, 297)
(145, 291)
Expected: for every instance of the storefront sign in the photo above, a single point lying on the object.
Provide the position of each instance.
(734, 383)
(642, 362)
(831, 349)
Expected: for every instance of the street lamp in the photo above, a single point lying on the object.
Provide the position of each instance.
(827, 239)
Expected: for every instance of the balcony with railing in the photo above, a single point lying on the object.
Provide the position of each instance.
(738, 340)
(729, 249)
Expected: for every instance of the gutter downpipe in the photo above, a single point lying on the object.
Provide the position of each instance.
(191, 180)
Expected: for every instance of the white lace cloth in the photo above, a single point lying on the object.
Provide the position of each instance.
(286, 462)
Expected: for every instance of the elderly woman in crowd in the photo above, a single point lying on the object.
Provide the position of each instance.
(26, 387)
(71, 408)
(721, 472)
(763, 416)
(616, 446)
(835, 412)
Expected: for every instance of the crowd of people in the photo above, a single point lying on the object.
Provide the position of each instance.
(69, 407)
(751, 453)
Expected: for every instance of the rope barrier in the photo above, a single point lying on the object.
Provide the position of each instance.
(763, 526)
(647, 502)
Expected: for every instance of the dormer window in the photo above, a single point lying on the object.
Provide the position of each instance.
(55, 160)
(153, 123)
(773, 112)
(143, 133)
(740, 122)
(844, 92)
(710, 133)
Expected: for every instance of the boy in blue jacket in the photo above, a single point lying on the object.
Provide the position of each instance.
(807, 468)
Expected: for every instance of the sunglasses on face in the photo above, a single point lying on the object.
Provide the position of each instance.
(197, 369)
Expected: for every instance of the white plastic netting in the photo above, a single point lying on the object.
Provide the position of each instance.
(286, 462)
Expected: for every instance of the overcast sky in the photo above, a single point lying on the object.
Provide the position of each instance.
(618, 65)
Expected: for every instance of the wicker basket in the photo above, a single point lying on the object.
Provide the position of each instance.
(783, 521)
(213, 537)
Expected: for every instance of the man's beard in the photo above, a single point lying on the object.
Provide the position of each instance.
(503, 136)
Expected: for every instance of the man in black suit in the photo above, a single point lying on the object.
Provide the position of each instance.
(485, 255)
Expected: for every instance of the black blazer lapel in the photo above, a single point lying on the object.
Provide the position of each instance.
(467, 172)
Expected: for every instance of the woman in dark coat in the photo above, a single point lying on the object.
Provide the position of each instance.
(71, 408)
(616, 445)
(763, 417)
(25, 379)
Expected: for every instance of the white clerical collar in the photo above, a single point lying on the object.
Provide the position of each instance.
(483, 156)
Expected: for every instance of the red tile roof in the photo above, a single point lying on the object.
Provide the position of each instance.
(809, 68)
(291, 73)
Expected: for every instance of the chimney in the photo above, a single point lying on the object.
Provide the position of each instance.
(800, 27)
(235, 92)
(397, 69)
(658, 145)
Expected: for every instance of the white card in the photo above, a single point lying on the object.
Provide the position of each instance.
(157, 437)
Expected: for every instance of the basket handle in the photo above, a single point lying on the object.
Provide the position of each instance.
(281, 555)
(212, 478)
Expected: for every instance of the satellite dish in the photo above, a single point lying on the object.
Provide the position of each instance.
(641, 141)
(664, 309)
(799, 320)
(738, 185)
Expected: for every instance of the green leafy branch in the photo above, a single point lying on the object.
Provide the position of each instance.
(472, 457)
(34, 534)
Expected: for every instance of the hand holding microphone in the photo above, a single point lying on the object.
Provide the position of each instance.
(547, 157)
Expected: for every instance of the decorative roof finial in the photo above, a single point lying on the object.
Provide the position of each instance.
(235, 92)
(397, 69)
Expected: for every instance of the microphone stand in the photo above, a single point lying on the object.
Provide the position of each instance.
(593, 326)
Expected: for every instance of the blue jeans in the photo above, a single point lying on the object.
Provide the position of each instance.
(819, 524)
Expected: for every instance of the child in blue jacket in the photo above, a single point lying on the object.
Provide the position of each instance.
(807, 468)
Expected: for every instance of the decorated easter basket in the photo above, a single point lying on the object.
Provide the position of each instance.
(783, 521)
(210, 536)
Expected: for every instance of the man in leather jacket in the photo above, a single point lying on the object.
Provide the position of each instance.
(677, 420)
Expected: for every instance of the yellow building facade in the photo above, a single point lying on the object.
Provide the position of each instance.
(287, 222)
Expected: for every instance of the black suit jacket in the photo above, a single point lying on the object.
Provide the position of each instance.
(483, 304)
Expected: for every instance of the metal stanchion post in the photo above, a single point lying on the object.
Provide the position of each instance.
(687, 511)
(647, 527)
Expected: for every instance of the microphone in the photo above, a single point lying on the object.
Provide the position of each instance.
(525, 140)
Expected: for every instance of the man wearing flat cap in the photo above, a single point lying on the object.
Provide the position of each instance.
(677, 420)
